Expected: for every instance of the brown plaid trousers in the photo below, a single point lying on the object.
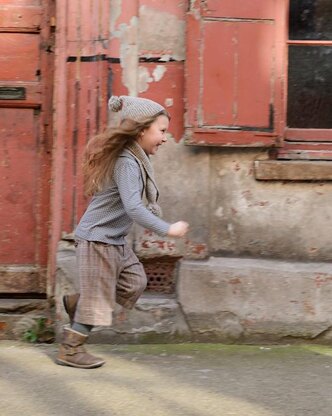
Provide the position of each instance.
(108, 274)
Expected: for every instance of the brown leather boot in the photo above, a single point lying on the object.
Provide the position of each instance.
(70, 304)
(72, 352)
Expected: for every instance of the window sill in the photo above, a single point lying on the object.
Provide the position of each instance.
(293, 170)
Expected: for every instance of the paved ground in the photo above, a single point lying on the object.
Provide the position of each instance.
(168, 380)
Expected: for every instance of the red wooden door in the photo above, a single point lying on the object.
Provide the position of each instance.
(25, 143)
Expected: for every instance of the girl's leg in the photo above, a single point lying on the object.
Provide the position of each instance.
(94, 304)
(131, 281)
(70, 304)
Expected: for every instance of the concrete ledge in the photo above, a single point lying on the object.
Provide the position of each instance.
(248, 300)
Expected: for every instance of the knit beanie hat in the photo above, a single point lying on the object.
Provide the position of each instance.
(134, 108)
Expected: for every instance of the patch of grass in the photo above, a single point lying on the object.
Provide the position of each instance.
(41, 331)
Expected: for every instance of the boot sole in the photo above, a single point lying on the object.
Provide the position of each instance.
(69, 364)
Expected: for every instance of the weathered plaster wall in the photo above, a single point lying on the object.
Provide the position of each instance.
(230, 213)
(288, 220)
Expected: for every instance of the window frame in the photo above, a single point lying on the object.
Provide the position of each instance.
(304, 143)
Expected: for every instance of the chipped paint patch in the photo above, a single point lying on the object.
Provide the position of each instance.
(161, 33)
(159, 72)
(169, 102)
(194, 9)
(128, 54)
(116, 6)
(144, 79)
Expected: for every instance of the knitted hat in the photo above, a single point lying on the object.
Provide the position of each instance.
(134, 108)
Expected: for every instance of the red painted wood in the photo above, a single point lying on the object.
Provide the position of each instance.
(33, 94)
(25, 142)
(81, 102)
(255, 74)
(305, 150)
(18, 175)
(313, 135)
(235, 82)
(209, 137)
(310, 42)
(219, 74)
(19, 56)
(193, 115)
(253, 9)
(16, 16)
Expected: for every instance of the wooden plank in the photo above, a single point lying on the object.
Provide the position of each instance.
(312, 135)
(18, 173)
(233, 73)
(220, 73)
(253, 9)
(305, 150)
(19, 57)
(229, 138)
(20, 18)
(293, 170)
(298, 154)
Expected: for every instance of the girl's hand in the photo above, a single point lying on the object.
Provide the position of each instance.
(178, 229)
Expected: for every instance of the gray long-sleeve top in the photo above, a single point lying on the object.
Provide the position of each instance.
(112, 211)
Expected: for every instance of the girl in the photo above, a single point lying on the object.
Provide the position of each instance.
(118, 174)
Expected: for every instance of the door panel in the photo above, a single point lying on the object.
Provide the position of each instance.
(18, 171)
(25, 97)
(232, 75)
(19, 57)
(234, 72)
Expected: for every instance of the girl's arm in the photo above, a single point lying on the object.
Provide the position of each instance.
(128, 179)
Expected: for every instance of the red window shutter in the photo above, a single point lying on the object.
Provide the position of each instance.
(234, 70)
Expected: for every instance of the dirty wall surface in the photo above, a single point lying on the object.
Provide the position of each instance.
(230, 212)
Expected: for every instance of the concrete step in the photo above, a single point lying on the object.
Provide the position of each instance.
(17, 316)
(155, 318)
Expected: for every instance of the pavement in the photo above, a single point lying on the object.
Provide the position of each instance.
(168, 380)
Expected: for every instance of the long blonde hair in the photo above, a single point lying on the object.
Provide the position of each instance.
(103, 150)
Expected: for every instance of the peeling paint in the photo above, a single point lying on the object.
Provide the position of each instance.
(159, 72)
(169, 102)
(116, 6)
(161, 33)
(194, 9)
(144, 79)
(128, 54)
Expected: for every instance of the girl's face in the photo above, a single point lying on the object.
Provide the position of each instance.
(154, 136)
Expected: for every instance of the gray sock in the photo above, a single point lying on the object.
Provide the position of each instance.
(82, 328)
